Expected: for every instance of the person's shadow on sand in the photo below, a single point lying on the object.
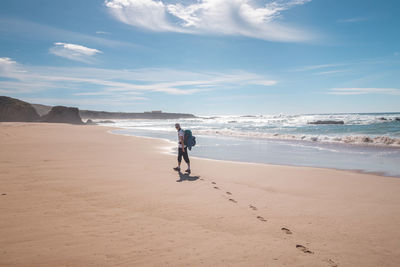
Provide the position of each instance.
(187, 177)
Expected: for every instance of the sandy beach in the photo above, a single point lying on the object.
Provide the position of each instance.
(80, 196)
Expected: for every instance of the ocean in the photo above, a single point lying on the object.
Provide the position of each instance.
(368, 142)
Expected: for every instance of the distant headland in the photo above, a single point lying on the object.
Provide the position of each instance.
(12, 109)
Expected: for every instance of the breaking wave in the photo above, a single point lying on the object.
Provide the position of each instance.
(379, 129)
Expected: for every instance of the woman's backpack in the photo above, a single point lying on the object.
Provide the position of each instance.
(189, 140)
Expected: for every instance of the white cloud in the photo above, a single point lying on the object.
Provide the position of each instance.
(4, 61)
(105, 82)
(317, 67)
(331, 72)
(74, 52)
(103, 32)
(351, 20)
(10, 68)
(264, 82)
(350, 68)
(79, 49)
(220, 17)
(364, 91)
(87, 103)
(32, 30)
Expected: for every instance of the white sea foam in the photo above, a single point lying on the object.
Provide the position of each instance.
(378, 140)
(362, 129)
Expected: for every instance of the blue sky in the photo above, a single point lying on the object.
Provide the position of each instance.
(203, 57)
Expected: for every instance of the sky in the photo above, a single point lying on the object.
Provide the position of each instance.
(205, 57)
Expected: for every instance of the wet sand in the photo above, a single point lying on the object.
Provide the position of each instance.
(79, 196)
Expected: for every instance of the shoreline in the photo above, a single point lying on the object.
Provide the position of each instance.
(78, 195)
(370, 129)
(298, 138)
(172, 146)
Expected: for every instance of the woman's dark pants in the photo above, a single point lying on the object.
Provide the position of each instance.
(183, 154)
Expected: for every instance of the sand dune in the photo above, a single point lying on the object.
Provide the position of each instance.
(79, 196)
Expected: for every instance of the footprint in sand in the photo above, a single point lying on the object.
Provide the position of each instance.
(304, 249)
(252, 207)
(261, 218)
(234, 201)
(228, 193)
(332, 263)
(287, 231)
(216, 187)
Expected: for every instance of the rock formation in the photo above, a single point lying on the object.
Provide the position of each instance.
(41, 109)
(12, 109)
(326, 122)
(63, 114)
(90, 122)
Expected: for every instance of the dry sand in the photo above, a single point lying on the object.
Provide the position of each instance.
(79, 196)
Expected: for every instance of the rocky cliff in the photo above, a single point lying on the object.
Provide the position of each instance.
(62, 114)
(12, 109)
(41, 109)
